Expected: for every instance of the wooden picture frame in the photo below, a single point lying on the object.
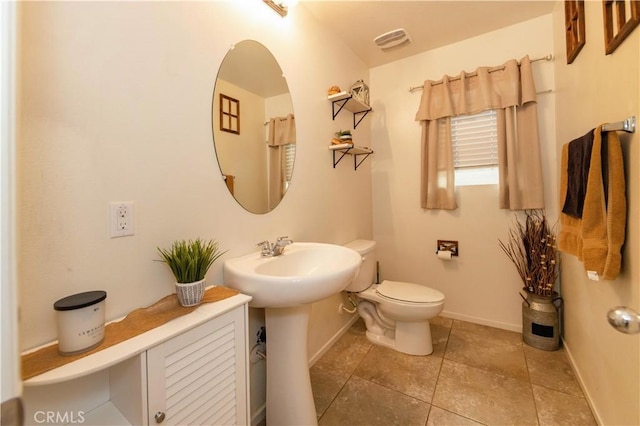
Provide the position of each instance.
(574, 28)
(229, 114)
(616, 25)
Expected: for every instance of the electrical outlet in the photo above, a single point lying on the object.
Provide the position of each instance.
(121, 219)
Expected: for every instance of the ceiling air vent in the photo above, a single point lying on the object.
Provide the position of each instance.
(392, 39)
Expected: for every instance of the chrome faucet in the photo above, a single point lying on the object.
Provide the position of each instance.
(275, 249)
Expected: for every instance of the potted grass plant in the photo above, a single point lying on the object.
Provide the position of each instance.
(189, 261)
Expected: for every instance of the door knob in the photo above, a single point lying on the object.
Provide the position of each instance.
(159, 417)
(624, 319)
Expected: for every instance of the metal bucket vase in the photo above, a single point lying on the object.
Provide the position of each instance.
(540, 320)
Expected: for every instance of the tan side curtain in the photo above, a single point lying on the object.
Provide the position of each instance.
(437, 164)
(282, 131)
(510, 91)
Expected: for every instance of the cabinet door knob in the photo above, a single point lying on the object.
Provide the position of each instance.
(159, 417)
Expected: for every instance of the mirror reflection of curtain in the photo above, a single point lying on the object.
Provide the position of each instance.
(509, 90)
(282, 132)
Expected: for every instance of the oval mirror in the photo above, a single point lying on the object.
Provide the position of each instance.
(253, 124)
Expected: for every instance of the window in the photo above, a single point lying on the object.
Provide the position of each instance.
(288, 160)
(475, 148)
(229, 114)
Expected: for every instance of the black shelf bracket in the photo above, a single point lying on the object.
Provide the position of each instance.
(340, 103)
(364, 114)
(343, 152)
(356, 161)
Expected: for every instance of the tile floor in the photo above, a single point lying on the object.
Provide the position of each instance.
(476, 375)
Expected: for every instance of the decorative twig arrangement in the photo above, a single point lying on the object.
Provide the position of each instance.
(532, 249)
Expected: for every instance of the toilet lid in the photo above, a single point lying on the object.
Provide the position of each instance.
(409, 292)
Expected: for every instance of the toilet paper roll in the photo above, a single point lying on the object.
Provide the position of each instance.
(444, 254)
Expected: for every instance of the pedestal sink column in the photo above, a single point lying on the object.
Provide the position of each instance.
(289, 396)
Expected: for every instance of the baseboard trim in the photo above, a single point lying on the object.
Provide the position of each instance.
(333, 340)
(504, 326)
(585, 391)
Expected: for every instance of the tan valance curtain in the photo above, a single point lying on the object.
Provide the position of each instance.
(282, 130)
(510, 91)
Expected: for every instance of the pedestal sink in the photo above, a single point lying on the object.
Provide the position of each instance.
(285, 286)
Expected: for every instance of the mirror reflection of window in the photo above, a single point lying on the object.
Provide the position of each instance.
(261, 171)
(229, 114)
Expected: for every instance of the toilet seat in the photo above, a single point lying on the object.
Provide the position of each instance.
(408, 292)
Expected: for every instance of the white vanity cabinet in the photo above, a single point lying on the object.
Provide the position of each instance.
(193, 379)
(190, 371)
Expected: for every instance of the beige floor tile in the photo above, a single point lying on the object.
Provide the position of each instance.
(441, 321)
(484, 396)
(484, 378)
(415, 376)
(440, 417)
(439, 338)
(358, 327)
(551, 369)
(348, 351)
(361, 402)
(484, 330)
(557, 408)
(326, 382)
(487, 352)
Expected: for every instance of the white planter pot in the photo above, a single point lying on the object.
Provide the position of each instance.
(190, 294)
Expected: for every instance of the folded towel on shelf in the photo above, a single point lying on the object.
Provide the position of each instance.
(579, 158)
(597, 237)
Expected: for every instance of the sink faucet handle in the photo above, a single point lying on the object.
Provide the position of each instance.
(266, 247)
(283, 241)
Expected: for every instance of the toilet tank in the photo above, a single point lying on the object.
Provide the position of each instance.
(364, 279)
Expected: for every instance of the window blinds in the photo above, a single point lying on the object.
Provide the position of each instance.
(474, 139)
(288, 160)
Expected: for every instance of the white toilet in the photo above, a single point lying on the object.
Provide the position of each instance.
(396, 313)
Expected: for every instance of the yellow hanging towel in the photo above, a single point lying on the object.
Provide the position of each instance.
(597, 237)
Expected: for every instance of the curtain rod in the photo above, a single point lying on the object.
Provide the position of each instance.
(628, 125)
(280, 118)
(471, 74)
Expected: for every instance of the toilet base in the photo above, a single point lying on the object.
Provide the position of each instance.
(412, 338)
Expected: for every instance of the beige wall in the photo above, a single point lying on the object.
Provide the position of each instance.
(115, 104)
(594, 89)
(481, 285)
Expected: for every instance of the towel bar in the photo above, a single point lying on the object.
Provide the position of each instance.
(628, 125)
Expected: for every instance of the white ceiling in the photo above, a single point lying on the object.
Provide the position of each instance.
(430, 24)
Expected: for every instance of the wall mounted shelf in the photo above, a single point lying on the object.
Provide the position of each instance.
(359, 153)
(345, 100)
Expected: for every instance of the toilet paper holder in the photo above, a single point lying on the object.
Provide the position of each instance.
(448, 245)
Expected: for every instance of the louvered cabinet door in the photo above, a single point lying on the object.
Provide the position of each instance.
(200, 377)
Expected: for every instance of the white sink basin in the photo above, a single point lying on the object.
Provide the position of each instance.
(285, 286)
(304, 273)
